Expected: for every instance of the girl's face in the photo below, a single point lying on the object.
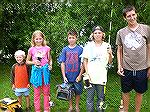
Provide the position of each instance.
(19, 59)
(98, 35)
(72, 39)
(38, 39)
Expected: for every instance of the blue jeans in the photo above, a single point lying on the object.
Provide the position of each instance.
(90, 97)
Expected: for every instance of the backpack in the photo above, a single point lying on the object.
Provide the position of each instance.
(65, 91)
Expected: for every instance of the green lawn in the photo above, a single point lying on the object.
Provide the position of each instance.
(113, 94)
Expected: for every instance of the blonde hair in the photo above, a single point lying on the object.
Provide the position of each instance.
(20, 52)
(33, 37)
(92, 36)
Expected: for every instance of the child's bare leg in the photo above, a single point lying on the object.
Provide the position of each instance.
(70, 105)
(28, 101)
(138, 102)
(126, 98)
(77, 103)
(20, 99)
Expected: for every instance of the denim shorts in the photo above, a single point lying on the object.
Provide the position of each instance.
(78, 87)
(136, 80)
(21, 91)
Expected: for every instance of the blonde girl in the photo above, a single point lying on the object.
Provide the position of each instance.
(40, 59)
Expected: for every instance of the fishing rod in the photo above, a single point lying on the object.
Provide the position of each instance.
(103, 105)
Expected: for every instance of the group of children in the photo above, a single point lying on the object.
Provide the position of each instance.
(75, 60)
(133, 57)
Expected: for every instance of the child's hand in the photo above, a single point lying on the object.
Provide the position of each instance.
(13, 87)
(37, 62)
(78, 79)
(109, 50)
(120, 71)
(50, 67)
(65, 80)
(28, 86)
(148, 73)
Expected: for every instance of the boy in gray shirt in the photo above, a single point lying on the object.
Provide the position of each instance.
(133, 54)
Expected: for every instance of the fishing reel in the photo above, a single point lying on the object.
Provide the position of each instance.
(86, 80)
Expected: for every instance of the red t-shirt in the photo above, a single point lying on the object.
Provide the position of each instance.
(20, 75)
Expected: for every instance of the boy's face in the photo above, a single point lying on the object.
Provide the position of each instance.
(19, 59)
(72, 39)
(131, 17)
(98, 35)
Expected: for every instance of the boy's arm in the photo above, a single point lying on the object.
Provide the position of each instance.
(29, 72)
(85, 63)
(63, 71)
(110, 56)
(119, 59)
(148, 53)
(148, 71)
(81, 72)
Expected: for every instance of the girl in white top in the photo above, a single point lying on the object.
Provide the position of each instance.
(96, 55)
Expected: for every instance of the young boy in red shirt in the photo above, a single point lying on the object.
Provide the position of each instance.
(20, 78)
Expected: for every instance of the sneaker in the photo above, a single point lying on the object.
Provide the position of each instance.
(51, 103)
(121, 109)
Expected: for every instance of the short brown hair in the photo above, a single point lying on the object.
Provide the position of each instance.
(72, 32)
(127, 9)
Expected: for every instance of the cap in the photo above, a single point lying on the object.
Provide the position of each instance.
(97, 28)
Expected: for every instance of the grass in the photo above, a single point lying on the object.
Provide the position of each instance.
(113, 92)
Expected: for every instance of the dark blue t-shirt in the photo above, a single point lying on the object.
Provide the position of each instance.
(71, 58)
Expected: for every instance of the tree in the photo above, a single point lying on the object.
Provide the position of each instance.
(19, 20)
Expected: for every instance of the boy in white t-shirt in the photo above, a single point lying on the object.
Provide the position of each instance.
(96, 55)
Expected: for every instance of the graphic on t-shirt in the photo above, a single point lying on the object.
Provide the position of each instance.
(39, 55)
(72, 61)
(98, 57)
(133, 40)
(98, 54)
